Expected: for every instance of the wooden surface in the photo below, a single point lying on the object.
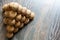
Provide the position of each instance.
(46, 24)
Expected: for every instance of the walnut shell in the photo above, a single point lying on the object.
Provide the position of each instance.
(26, 21)
(13, 6)
(6, 7)
(10, 28)
(28, 12)
(9, 35)
(20, 9)
(5, 21)
(18, 17)
(6, 14)
(16, 30)
(24, 9)
(18, 24)
(23, 19)
(12, 22)
(22, 24)
(32, 15)
(12, 14)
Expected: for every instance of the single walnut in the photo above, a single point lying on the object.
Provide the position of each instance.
(18, 17)
(20, 9)
(27, 20)
(12, 22)
(12, 14)
(24, 9)
(9, 35)
(6, 7)
(6, 14)
(18, 24)
(28, 12)
(32, 15)
(13, 6)
(10, 28)
(23, 19)
(5, 21)
(22, 24)
(16, 30)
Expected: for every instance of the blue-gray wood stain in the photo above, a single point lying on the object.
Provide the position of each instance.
(46, 24)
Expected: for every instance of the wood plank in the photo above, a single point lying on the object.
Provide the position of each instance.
(45, 25)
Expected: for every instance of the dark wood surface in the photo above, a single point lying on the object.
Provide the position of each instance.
(46, 24)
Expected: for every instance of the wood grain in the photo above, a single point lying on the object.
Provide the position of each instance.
(46, 24)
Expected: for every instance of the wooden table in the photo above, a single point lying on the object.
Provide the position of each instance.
(46, 24)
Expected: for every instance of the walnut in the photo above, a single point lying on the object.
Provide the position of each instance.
(13, 6)
(16, 30)
(12, 22)
(9, 35)
(18, 24)
(6, 7)
(5, 21)
(18, 17)
(22, 24)
(28, 12)
(26, 21)
(24, 9)
(20, 9)
(6, 14)
(23, 19)
(10, 28)
(32, 15)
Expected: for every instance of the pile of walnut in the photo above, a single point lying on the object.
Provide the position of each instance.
(14, 17)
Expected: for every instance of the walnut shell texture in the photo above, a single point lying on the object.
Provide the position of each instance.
(15, 16)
